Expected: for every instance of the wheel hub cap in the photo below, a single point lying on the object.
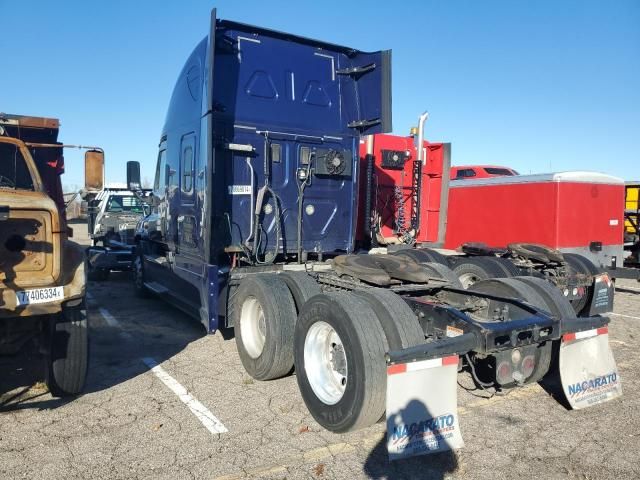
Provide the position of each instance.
(253, 327)
(325, 363)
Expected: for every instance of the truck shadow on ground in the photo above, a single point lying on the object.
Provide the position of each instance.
(429, 467)
(148, 328)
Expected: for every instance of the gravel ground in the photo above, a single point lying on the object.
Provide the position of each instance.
(129, 424)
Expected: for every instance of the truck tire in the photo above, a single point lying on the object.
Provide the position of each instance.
(400, 325)
(423, 255)
(511, 288)
(533, 251)
(264, 316)
(556, 303)
(68, 356)
(508, 266)
(139, 278)
(445, 273)
(302, 286)
(474, 269)
(560, 307)
(546, 297)
(581, 265)
(348, 391)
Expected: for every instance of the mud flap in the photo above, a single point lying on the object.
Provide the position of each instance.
(602, 299)
(588, 371)
(422, 407)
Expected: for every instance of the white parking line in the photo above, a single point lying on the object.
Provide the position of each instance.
(627, 289)
(624, 316)
(112, 322)
(201, 412)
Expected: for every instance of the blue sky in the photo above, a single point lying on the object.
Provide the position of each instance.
(539, 86)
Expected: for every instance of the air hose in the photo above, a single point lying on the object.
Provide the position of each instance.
(301, 186)
(257, 224)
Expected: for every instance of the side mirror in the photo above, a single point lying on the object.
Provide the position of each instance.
(133, 175)
(94, 170)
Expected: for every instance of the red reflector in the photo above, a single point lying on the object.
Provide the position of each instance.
(603, 330)
(567, 337)
(398, 368)
(503, 374)
(452, 360)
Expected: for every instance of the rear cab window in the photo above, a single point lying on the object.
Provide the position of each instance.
(14, 172)
(466, 173)
(124, 203)
(499, 171)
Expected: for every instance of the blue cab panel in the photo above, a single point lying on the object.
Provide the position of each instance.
(291, 103)
(258, 155)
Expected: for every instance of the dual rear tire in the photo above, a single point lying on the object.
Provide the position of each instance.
(337, 343)
(538, 293)
(581, 266)
(471, 270)
(340, 342)
(423, 255)
(263, 316)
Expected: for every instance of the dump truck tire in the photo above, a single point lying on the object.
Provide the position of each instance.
(264, 316)
(68, 358)
(470, 270)
(302, 287)
(423, 255)
(581, 265)
(348, 392)
(400, 325)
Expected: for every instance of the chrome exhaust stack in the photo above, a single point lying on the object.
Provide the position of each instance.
(420, 147)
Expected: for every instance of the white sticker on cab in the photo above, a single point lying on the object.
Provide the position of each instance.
(239, 189)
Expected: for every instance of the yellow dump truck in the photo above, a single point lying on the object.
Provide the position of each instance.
(42, 270)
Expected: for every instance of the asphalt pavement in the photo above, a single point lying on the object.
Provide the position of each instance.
(166, 401)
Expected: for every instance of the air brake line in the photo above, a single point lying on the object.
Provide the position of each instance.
(266, 188)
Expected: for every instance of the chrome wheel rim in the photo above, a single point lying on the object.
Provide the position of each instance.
(325, 363)
(253, 327)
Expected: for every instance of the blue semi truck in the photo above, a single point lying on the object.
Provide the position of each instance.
(253, 227)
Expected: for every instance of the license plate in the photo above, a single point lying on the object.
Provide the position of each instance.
(39, 295)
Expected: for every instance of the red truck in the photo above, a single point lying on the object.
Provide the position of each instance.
(504, 226)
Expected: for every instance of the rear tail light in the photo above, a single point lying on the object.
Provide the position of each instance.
(528, 364)
(504, 373)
